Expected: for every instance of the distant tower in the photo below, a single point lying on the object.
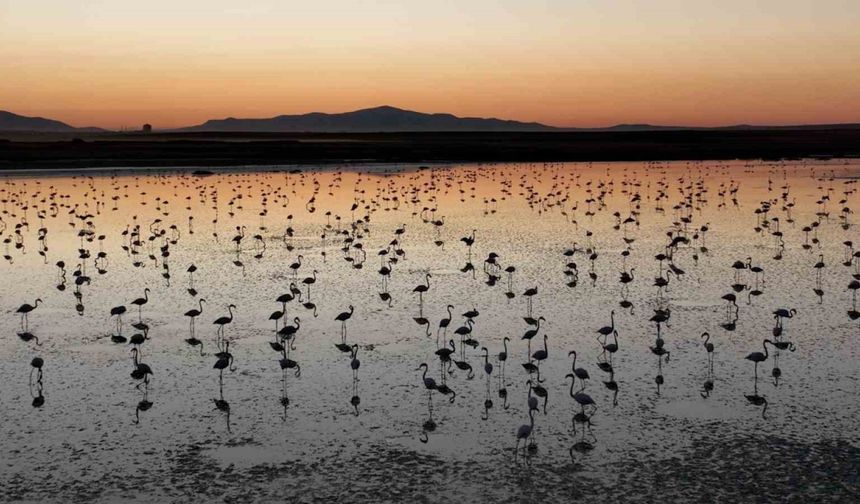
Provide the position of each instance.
(147, 128)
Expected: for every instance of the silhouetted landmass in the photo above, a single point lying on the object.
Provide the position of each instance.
(15, 122)
(372, 120)
(652, 127)
(225, 149)
(387, 119)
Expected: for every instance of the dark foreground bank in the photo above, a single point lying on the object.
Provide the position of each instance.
(224, 149)
(741, 470)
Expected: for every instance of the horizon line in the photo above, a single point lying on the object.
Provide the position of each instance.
(125, 128)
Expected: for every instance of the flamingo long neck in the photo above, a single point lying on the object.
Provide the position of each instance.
(612, 320)
(573, 366)
(505, 344)
(230, 311)
(201, 305)
(572, 382)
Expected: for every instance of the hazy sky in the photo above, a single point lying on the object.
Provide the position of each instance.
(564, 62)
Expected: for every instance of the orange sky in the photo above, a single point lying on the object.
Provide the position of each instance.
(114, 63)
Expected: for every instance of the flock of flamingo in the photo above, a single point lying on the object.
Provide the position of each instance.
(415, 196)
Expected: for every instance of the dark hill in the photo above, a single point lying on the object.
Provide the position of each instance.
(15, 122)
(372, 120)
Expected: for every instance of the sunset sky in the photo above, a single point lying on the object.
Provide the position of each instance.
(114, 63)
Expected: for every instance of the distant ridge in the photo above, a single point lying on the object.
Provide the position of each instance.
(372, 120)
(384, 119)
(387, 119)
(15, 122)
(652, 127)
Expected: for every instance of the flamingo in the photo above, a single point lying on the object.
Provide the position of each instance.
(443, 324)
(354, 363)
(194, 313)
(525, 432)
(580, 397)
(342, 318)
(709, 347)
(222, 321)
(488, 368)
(421, 289)
(503, 355)
(607, 330)
(541, 355)
(141, 371)
(24, 310)
(580, 373)
(757, 357)
(611, 347)
(36, 365)
(139, 302)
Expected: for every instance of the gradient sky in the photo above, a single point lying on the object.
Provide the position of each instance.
(114, 63)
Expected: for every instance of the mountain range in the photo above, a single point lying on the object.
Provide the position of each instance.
(384, 119)
(15, 122)
(372, 120)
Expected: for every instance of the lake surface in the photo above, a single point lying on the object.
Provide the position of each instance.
(665, 424)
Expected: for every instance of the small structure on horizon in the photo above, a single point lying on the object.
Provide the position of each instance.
(147, 128)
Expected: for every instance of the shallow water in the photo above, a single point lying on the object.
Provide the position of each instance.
(300, 438)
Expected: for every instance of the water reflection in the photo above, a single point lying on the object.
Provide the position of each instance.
(530, 230)
(37, 393)
(222, 405)
(143, 405)
(757, 400)
(708, 385)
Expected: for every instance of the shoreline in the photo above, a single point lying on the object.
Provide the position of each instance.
(369, 167)
(176, 150)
